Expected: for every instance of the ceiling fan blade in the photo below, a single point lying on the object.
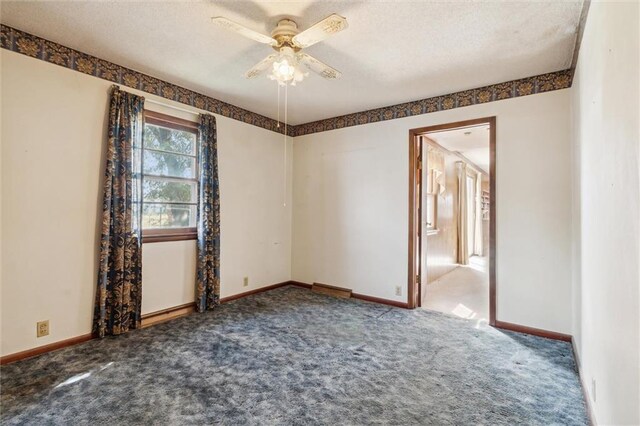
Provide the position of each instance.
(242, 30)
(328, 26)
(318, 67)
(261, 66)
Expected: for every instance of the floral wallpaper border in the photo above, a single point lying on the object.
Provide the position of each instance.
(495, 92)
(39, 48)
(36, 47)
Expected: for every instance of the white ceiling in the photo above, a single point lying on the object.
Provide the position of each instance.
(472, 142)
(392, 52)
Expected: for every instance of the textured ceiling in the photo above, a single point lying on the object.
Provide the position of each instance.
(472, 142)
(392, 52)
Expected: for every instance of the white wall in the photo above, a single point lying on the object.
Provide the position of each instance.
(351, 199)
(53, 138)
(168, 271)
(606, 133)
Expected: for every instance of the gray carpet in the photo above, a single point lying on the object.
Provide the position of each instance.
(290, 356)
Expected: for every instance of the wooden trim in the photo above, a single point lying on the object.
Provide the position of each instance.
(163, 315)
(358, 296)
(380, 300)
(492, 222)
(583, 385)
(170, 121)
(252, 292)
(301, 284)
(147, 320)
(448, 126)
(421, 269)
(167, 310)
(332, 287)
(533, 331)
(173, 234)
(332, 290)
(18, 356)
(413, 247)
(414, 220)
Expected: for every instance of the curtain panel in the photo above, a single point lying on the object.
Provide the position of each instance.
(119, 288)
(478, 238)
(461, 219)
(208, 245)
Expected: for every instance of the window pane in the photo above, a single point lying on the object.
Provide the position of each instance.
(155, 189)
(164, 139)
(165, 164)
(168, 216)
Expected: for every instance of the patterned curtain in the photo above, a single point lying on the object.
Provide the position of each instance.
(119, 294)
(208, 273)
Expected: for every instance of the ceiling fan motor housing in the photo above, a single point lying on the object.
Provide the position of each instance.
(284, 33)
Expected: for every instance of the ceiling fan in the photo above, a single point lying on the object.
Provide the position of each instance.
(288, 42)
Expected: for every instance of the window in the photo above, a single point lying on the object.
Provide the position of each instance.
(435, 175)
(169, 178)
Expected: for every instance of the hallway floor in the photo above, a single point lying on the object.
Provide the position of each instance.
(463, 292)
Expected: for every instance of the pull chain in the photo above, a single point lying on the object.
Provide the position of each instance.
(278, 125)
(286, 110)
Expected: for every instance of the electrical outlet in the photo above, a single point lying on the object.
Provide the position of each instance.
(42, 328)
(593, 389)
(398, 290)
(245, 283)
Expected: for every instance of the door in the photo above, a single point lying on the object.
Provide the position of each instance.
(420, 236)
(417, 271)
(424, 222)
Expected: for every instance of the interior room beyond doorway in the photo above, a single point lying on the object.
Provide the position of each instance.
(455, 230)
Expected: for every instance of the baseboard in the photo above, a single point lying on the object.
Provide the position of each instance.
(147, 320)
(359, 296)
(534, 331)
(163, 315)
(256, 291)
(18, 356)
(301, 284)
(380, 300)
(583, 385)
(167, 314)
(331, 290)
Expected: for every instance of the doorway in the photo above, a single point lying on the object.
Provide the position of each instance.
(452, 225)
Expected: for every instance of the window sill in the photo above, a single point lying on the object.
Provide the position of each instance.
(165, 235)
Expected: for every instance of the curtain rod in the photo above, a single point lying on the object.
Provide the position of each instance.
(170, 106)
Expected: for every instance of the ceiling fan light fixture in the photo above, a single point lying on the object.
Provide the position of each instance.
(282, 71)
(289, 65)
(286, 68)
